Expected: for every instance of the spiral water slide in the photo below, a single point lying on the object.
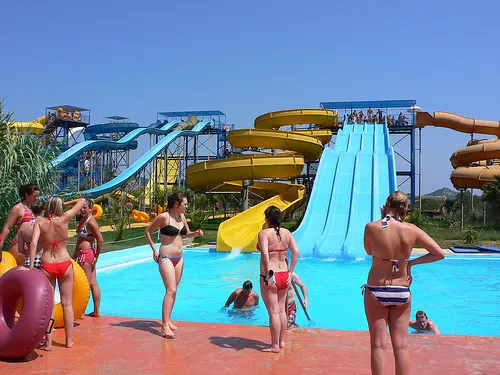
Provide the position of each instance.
(228, 173)
(474, 165)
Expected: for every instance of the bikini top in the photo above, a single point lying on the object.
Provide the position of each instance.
(27, 217)
(395, 262)
(55, 244)
(389, 217)
(274, 250)
(84, 232)
(170, 230)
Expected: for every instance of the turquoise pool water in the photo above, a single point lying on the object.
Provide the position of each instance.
(461, 294)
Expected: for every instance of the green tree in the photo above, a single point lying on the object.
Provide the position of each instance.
(23, 159)
(491, 195)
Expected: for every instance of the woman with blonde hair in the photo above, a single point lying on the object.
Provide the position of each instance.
(387, 295)
(275, 276)
(52, 232)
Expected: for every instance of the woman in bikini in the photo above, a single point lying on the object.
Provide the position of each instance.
(52, 232)
(173, 226)
(25, 233)
(18, 215)
(88, 248)
(387, 296)
(275, 276)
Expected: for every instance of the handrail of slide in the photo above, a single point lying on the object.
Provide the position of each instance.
(130, 172)
(96, 145)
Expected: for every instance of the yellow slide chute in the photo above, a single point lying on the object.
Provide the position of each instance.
(35, 127)
(226, 174)
(475, 164)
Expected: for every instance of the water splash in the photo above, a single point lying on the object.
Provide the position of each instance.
(235, 252)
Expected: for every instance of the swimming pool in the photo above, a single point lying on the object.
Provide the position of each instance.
(460, 294)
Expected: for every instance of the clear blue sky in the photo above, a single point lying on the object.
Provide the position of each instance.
(248, 58)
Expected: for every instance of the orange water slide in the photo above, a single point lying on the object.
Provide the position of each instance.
(475, 164)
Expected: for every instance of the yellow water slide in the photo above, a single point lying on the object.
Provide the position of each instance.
(227, 174)
(36, 127)
(474, 165)
(158, 175)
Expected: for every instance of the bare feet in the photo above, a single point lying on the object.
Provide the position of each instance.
(282, 343)
(272, 349)
(69, 345)
(167, 332)
(44, 346)
(94, 314)
(172, 326)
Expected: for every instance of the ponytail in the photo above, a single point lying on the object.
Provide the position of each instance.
(273, 216)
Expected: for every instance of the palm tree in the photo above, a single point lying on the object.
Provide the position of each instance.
(23, 160)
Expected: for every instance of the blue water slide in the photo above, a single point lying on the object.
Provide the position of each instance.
(91, 131)
(146, 158)
(332, 239)
(313, 223)
(314, 220)
(361, 201)
(126, 142)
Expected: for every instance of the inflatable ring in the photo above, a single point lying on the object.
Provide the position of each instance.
(81, 296)
(8, 262)
(140, 216)
(20, 339)
(97, 211)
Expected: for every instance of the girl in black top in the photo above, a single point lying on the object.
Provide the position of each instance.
(173, 226)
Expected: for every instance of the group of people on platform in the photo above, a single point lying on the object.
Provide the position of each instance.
(375, 118)
(43, 231)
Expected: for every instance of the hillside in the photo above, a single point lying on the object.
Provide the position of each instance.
(448, 193)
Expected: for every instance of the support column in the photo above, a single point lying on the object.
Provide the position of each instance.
(245, 187)
(461, 208)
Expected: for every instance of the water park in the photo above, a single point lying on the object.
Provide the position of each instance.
(329, 171)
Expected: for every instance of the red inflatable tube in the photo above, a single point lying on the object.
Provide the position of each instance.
(20, 339)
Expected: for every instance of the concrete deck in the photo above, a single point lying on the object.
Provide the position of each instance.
(112, 345)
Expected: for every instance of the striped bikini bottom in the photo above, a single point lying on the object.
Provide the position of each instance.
(389, 295)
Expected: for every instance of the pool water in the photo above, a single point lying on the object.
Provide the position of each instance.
(460, 294)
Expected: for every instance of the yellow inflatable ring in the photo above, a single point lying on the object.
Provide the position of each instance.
(97, 211)
(140, 216)
(8, 262)
(81, 296)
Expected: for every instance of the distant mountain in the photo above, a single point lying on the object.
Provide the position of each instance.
(444, 192)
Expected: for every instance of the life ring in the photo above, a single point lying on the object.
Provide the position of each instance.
(140, 216)
(8, 262)
(81, 296)
(97, 211)
(20, 339)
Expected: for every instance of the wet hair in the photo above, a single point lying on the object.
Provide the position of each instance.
(27, 189)
(53, 206)
(247, 285)
(174, 198)
(90, 203)
(38, 207)
(398, 203)
(420, 314)
(273, 216)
